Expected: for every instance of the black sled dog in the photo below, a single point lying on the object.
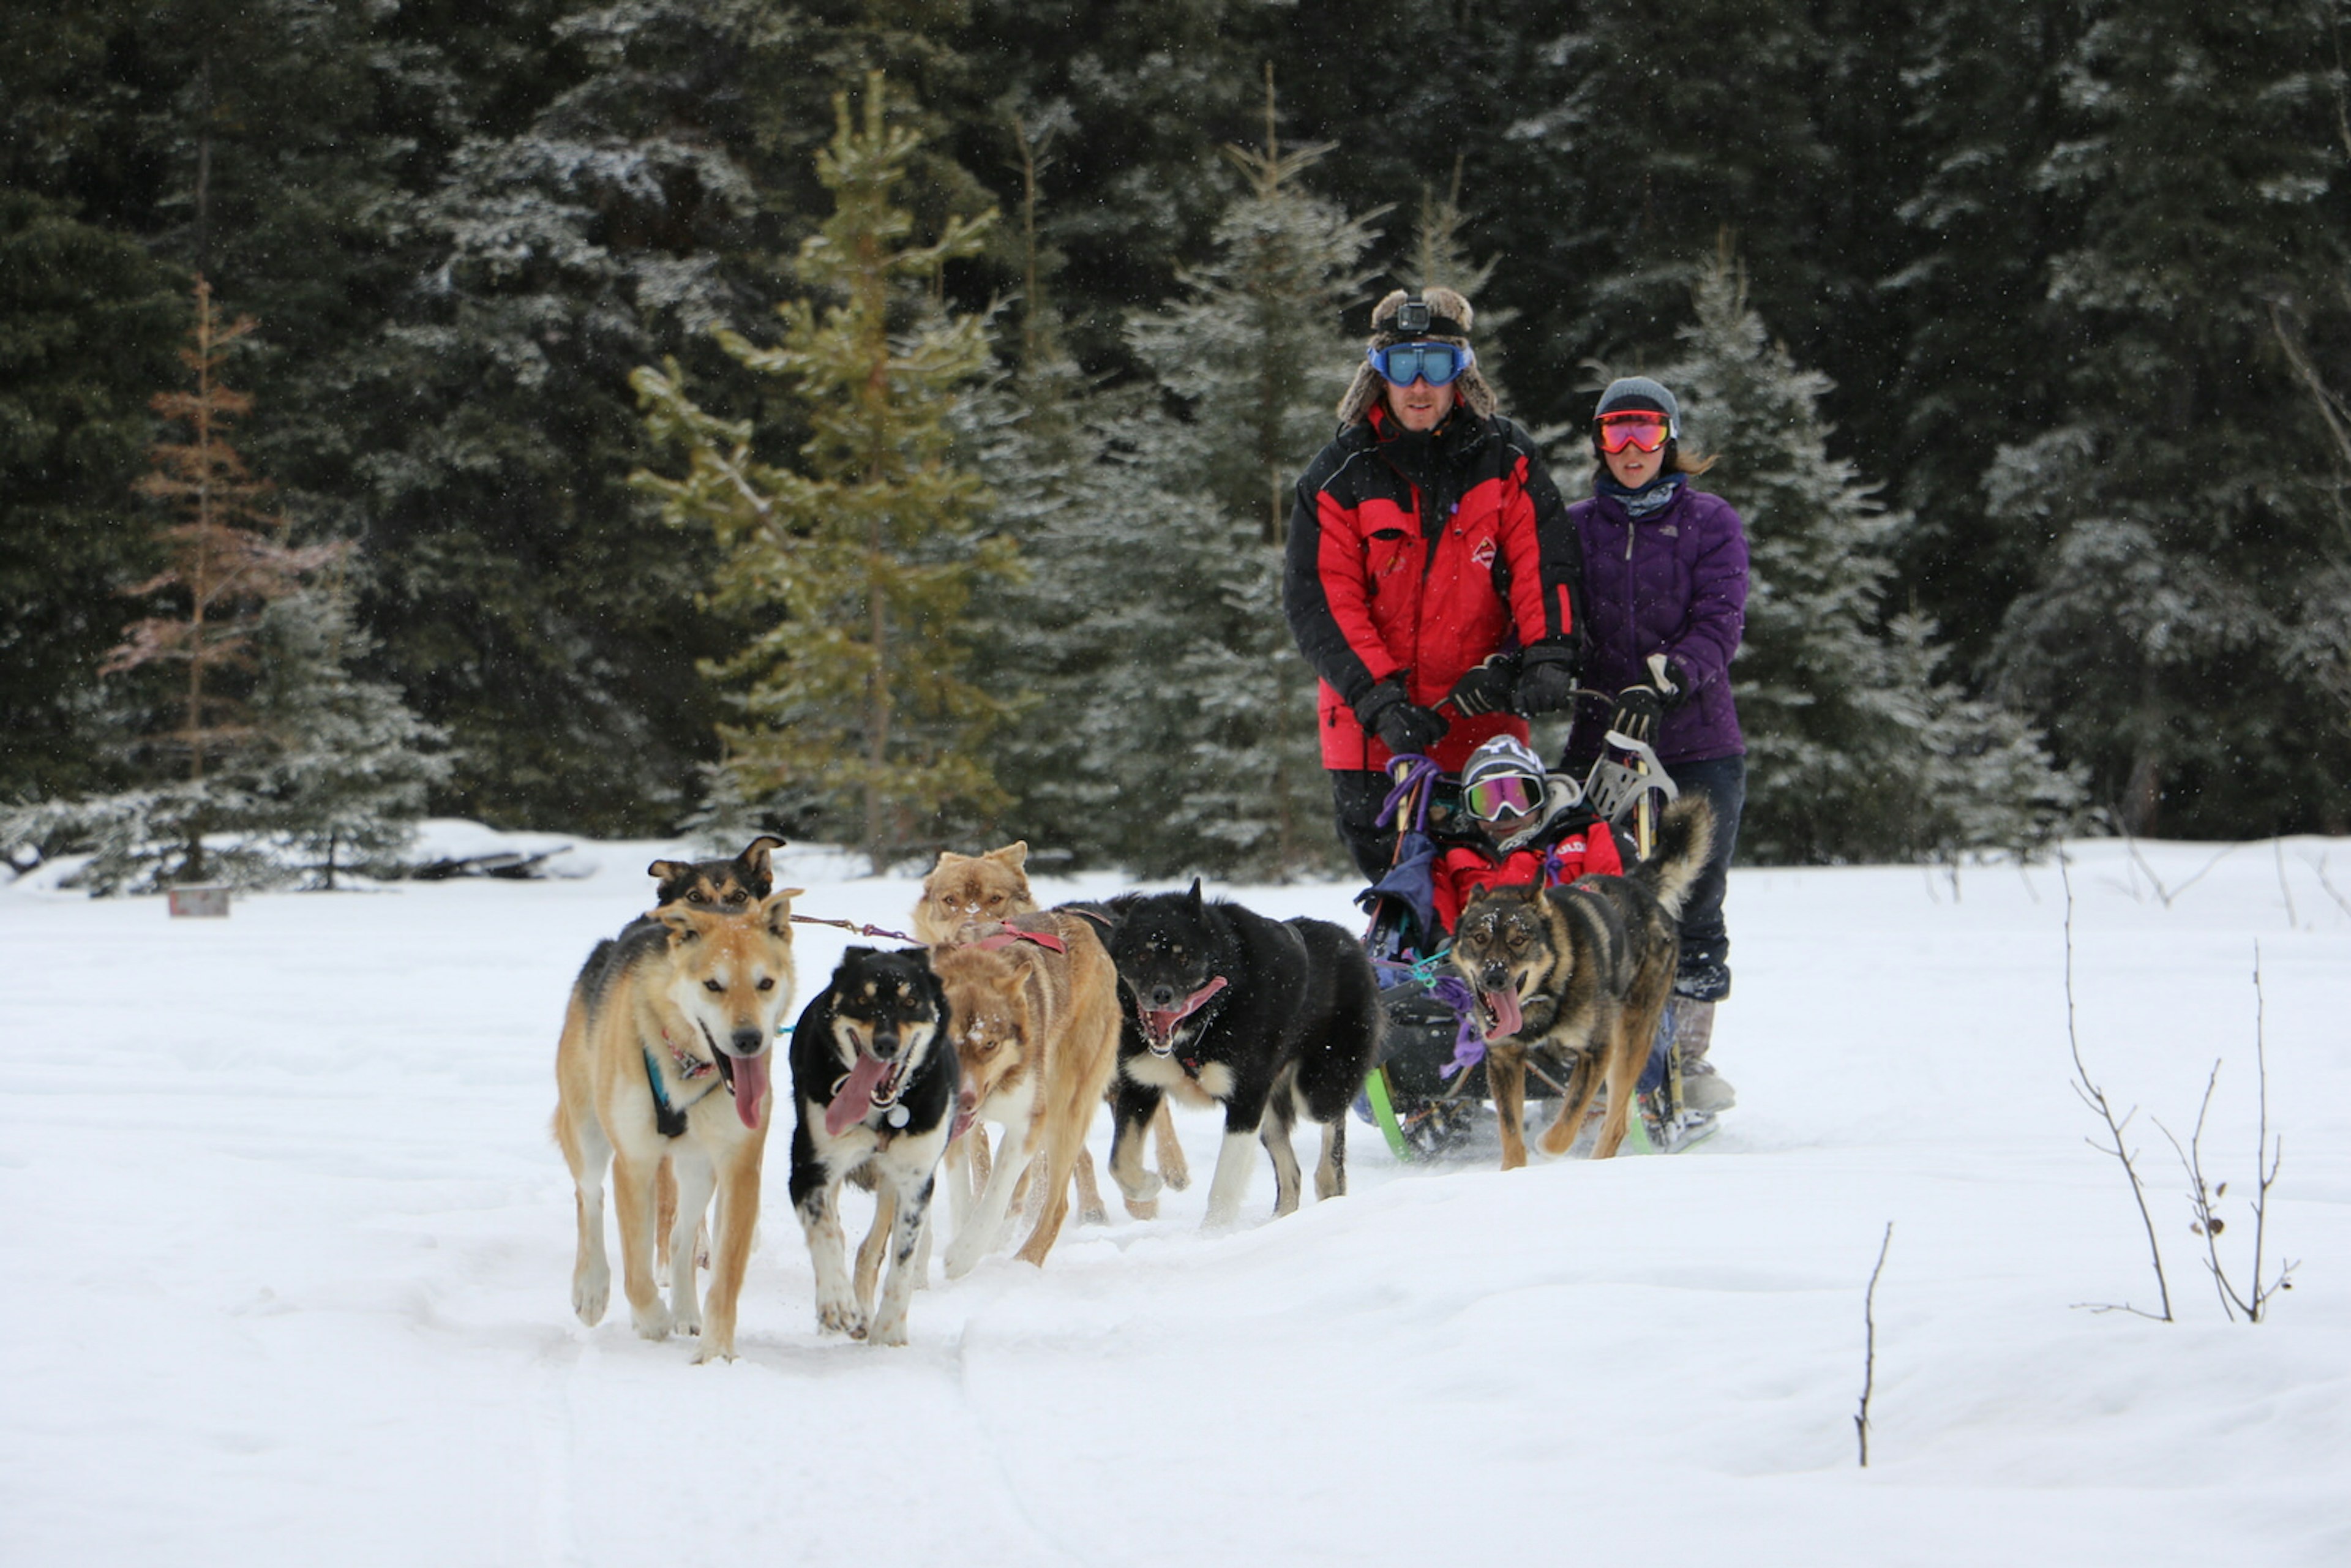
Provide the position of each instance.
(875, 1077)
(1270, 1019)
(1580, 973)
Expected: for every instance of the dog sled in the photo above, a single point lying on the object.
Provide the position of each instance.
(1427, 1092)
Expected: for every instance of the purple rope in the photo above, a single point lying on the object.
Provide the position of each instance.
(1468, 1045)
(1417, 771)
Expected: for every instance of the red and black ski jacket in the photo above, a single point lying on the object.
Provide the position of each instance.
(1418, 560)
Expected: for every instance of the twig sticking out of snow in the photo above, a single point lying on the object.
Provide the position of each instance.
(2096, 1099)
(1869, 1352)
(2202, 1196)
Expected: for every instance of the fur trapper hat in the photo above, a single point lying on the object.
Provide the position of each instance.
(1471, 389)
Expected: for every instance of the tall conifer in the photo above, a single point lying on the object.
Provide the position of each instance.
(861, 563)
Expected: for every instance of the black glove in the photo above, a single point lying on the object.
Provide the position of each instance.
(1673, 682)
(1547, 682)
(1401, 725)
(1636, 716)
(1489, 687)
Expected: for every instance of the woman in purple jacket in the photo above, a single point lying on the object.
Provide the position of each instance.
(1664, 601)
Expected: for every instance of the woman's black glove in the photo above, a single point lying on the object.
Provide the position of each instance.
(1673, 682)
(1489, 687)
(1547, 677)
(1636, 716)
(1401, 725)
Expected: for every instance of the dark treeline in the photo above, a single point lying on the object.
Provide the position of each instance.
(2075, 274)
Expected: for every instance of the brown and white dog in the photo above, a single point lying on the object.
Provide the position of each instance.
(1035, 1004)
(971, 891)
(1580, 974)
(665, 1057)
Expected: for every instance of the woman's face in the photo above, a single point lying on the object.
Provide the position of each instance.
(1632, 467)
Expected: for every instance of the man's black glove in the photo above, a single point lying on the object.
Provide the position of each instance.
(1673, 682)
(1489, 687)
(1401, 725)
(1636, 716)
(1547, 677)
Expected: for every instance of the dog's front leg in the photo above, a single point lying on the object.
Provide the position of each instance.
(973, 1242)
(590, 1154)
(905, 1244)
(1137, 1104)
(816, 1189)
(1236, 1158)
(1506, 1080)
(1575, 1105)
(738, 1220)
(690, 1188)
(1273, 1131)
(632, 1195)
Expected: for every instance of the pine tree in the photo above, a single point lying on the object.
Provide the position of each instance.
(2181, 487)
(1854, 751)
(1219, 705)
(347, 766)
(867, 560)
(87, 324)
(228, 558)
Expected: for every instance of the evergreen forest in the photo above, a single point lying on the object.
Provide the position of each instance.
(875, 422)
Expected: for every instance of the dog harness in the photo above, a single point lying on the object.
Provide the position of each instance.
(670, 1120)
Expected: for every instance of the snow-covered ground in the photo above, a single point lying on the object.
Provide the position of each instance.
(292, 1249)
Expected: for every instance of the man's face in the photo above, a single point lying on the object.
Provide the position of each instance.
(1420, 406)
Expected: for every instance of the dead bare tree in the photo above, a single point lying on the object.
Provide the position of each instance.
(2096, 1099)
(2204, 1197)
(1869, 1350)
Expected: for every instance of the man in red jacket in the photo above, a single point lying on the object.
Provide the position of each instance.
(1431, 571)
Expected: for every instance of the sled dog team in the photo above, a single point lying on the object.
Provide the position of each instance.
(1028, 1019)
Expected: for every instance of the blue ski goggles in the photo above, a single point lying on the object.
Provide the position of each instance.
(1437, 363)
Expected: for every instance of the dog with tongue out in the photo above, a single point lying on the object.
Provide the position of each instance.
(875, 1077)
(1271, 1020)
(663, 1067)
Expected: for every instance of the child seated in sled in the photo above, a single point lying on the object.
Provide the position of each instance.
(1531, 827)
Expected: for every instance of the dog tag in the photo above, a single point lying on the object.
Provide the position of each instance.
(896, 1116)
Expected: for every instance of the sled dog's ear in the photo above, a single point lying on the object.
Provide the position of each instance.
(778, 911)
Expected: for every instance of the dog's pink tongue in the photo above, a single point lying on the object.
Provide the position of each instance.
(856, 1096)
(751, 1087)
(1507, 1016)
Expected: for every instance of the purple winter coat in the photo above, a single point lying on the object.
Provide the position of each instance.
(1674, 583)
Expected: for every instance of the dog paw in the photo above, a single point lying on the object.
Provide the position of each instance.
(841, 1317)
(889, 1330)
(1146, 1211)
(1143, 1188)
(590, 1297)
(1094, 1214)
(652, 1323)
(962, 1260)
(1177, 1181)
(711, 1350)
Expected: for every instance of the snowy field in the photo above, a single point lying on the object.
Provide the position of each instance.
(293, 1250)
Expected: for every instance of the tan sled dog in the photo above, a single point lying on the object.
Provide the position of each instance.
(1580, 973)
(665, 1055)
(1035, 1004)
(965, 890)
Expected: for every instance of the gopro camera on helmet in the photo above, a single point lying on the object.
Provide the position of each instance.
(1412, 315)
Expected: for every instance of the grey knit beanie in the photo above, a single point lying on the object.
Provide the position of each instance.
(1628, 392)
(1369, 386)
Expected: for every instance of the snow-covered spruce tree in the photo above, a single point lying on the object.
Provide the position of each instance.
(1219, 705)
(2178, 500)
(345, 766)
(1854, 751)
(862, 561)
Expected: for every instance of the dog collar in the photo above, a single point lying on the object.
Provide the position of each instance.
(669, 1120)
(689, 1066)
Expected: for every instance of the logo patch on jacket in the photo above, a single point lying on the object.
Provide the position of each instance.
(1484, 554)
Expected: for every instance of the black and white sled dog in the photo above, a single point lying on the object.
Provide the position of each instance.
(875, 1077)
(1270, 1019)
